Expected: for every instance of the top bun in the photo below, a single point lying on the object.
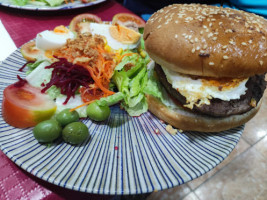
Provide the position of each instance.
(207, 40)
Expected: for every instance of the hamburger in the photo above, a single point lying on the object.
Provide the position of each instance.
(211, 61)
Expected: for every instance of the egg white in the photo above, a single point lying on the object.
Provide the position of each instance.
(49, 40)
(197, 93)
(103, 29)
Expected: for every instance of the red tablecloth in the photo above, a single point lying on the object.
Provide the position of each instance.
(23, 25)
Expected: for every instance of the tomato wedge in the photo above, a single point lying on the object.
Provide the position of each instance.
(80, 23)
(30, 52)
(127, 20)
(24, 106)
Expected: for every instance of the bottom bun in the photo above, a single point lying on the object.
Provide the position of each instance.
(189, 121)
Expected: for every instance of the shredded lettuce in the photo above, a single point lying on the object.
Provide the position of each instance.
(20, 2)
(54, 2)
(132, 82)
(37, 74)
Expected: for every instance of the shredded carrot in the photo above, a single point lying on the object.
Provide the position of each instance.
(84, 104)
(98, 82)
(93, 57)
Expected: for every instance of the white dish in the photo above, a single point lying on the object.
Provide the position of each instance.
(75, 4)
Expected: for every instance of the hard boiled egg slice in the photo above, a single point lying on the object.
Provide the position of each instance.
(200, 91)
(48, 40)
(117, 36)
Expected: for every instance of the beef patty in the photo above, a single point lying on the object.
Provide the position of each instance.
(219, 108)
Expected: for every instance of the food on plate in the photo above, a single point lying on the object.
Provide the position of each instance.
(50, 40)
(117, 36)
(79, 75)
(46, 2)
(98, 112)
(129, 20)
(24, 105)
(75, 133)
(210, 62)
(81, 23)
(67, 116)
(47, 131)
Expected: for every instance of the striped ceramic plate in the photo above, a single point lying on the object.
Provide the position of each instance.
(75, 4)
(123, 156)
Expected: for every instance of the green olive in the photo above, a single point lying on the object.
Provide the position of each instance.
(66, 116)
(97, 112)
(47, 131)
(75, 133)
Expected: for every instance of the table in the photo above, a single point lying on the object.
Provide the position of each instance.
(23, 25)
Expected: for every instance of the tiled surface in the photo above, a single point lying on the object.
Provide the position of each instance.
(241, 176)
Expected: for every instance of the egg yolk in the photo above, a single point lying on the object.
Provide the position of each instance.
(222, 83)
(61, 30)
(124, 35)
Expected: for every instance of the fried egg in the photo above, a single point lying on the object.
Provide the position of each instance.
(117, 36)
(49, 40)
(200, 91)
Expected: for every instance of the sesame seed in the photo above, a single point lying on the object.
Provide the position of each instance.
(250, 41)
(196, 40)
(193, 50)
(220, 23)
(198, 47)
(205, 26)
(201, 51)
(210, 35)
(201, 32)
(205, 46)
(214, 38)
(210, 25)
(265, 54)
(244, 44)
(176, 36)
(211, 63)
(224, 47)
(231, 42)
(225, 57)
(191, 41)
(159, 26)
(261, 62)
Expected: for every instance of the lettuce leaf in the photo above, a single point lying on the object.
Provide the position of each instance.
(131, 83)
(20, 2)
(54, 2)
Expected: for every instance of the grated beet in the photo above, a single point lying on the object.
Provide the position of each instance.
(68, 77)
(21, 82)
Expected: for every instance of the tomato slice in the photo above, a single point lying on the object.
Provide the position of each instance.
(80, 23)
(128, 19)
(30, 52)
(24, 106)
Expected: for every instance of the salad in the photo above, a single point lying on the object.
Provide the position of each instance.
(79, 72)
(45, 2)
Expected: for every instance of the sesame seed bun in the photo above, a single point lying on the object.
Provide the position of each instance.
(208, 41)
(186, 120)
